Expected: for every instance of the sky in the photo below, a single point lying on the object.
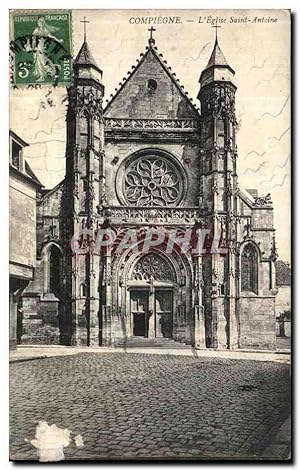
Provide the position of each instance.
(257, 49)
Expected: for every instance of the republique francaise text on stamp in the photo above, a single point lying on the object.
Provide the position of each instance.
(41, 44)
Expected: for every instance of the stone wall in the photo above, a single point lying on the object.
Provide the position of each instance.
(257, 322)
(40, 321)
(283, 299)
(22, 244)
(40, 308)
(22, 222)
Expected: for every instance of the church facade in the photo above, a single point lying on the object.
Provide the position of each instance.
(151, 161)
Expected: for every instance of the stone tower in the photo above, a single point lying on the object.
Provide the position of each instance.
(83, 195)
(218, 197)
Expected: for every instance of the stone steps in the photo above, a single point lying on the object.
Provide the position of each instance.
(149, 343)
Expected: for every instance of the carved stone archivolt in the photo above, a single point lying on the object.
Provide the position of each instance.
(152, 266)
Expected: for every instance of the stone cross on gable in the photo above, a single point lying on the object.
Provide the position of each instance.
(151, 31)
(151, 40)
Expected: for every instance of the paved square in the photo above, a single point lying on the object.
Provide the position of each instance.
(137, 406)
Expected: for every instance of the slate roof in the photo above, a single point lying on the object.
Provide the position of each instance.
(85, 57)
(49, 191)
(31, 173)
(217, 58)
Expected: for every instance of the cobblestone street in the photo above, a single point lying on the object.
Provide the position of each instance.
(138, 406)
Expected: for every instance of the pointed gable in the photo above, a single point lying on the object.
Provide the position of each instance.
(150, 92)
(50, 202)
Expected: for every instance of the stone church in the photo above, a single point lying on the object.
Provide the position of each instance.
(151, 159)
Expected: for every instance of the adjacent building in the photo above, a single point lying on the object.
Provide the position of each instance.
(23, 189)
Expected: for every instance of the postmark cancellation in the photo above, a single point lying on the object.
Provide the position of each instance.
(41, 48)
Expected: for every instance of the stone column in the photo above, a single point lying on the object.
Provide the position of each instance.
(107, 307)
(94, 299)
(75, 301)
(199, 323)
(151, 311)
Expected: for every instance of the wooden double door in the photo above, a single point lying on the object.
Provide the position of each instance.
(152, 313)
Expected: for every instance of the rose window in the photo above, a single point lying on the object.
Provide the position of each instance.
(153, 266)
(152, 181)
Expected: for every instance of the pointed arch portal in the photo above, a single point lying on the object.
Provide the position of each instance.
(152, 296)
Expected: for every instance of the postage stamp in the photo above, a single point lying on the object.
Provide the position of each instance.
(41, 45)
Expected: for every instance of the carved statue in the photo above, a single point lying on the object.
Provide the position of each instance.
(263, 200)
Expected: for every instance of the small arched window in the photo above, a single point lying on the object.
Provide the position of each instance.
(83, 290)
(54, 270)
(249, 269)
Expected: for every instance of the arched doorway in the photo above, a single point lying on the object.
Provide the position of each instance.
(151, 295)
(151, 288)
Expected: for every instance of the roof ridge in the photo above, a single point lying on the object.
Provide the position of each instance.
(168, 70)
(51, 190)
(31, 173)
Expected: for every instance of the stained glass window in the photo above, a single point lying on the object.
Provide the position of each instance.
(54, 278)
(249, 269)
(152, 181)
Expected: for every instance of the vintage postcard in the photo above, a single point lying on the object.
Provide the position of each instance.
(150, 279)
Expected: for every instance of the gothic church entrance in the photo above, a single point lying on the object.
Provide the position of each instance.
(152, 312)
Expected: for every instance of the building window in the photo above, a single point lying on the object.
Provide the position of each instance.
(55, 269)
(83, 290)
(151, 85)
(152, 180)
(16, 151)
(249, 269)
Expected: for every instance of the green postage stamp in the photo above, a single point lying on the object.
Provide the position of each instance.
(41, 45)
